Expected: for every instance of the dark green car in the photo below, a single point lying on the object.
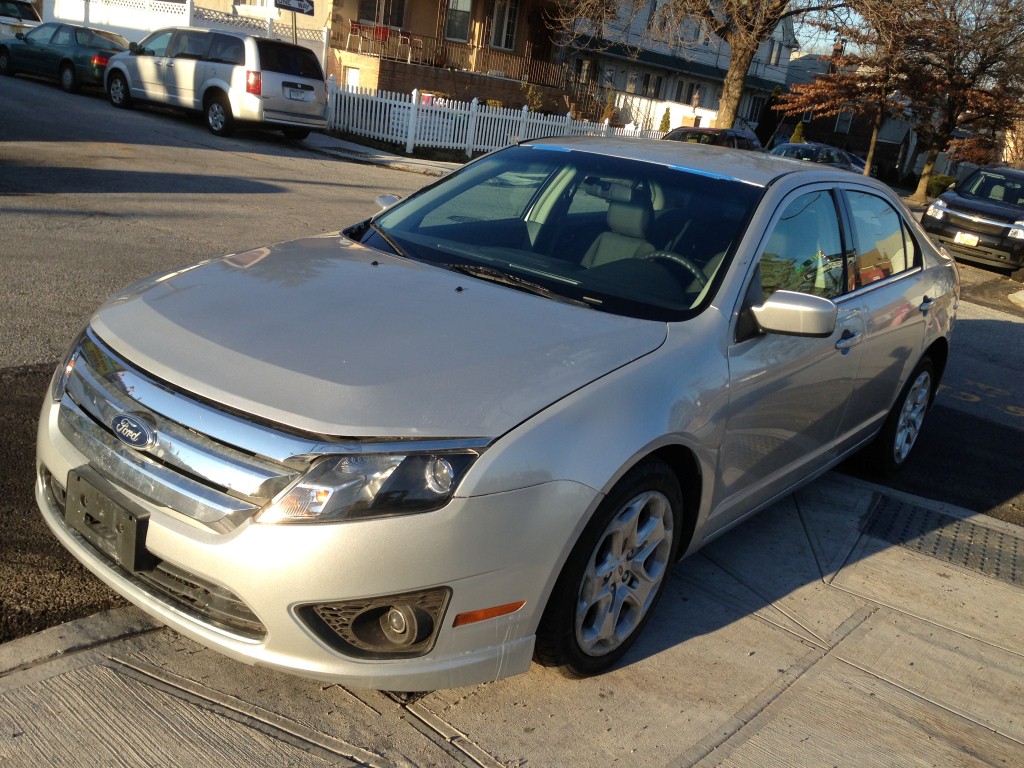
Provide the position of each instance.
(70, 54)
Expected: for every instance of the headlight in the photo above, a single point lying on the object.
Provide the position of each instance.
(60, 377)
(359, 487)
(1017, 231)
(936, 209)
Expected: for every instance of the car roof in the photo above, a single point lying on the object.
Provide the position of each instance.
(1015, 173)
(756, 168)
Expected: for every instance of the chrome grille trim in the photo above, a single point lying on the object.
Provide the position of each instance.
(183, 448)
(152, 481)
(961, 219)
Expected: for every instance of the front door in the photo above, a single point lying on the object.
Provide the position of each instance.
(789, 394)
(148, 65)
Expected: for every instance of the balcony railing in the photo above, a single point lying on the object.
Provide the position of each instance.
(399, 45)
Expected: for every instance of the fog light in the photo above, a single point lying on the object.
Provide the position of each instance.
(406, 625)
(386, 627)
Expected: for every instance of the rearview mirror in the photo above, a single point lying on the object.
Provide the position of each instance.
(797, 314)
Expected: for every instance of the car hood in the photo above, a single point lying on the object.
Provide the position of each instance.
(327, 336)
(984, 207)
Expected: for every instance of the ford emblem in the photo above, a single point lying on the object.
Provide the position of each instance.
(132, 431)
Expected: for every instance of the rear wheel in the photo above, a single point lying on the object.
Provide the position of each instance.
(68, 79)
(117, 91)
(892, 447)
(615, 574)
(6, 65)
(296, 134)
(218, 116)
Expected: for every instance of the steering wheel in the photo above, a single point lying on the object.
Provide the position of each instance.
(685, 263)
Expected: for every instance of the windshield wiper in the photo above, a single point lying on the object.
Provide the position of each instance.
(389, 240)
(500, 277)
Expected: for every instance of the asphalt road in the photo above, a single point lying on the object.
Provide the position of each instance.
(92, 198)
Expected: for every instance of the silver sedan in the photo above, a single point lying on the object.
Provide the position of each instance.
(481, 427)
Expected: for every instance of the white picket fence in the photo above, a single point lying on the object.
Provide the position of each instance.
(419, 120)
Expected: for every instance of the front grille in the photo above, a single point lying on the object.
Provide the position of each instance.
(199, 462)
(981, 224)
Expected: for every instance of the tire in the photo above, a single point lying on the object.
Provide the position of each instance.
(6, 65)
(67, 78)
(117, 91)
(891, 448)
(218, 116)
(615, 574)
(295, 134)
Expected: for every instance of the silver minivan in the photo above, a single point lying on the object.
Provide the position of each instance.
(230, 77)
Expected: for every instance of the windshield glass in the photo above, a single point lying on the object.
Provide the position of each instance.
(623, 236)
(992, 185)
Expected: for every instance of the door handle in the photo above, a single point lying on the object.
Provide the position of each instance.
(848, 339)
(926, 305)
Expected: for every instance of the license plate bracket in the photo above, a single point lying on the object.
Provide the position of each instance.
(110, 527)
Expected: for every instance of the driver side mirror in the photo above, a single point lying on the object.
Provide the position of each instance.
(796, 314)
(133, 47)
(20, 36)
(387, 200)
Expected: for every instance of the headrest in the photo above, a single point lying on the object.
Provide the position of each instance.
(629, 219)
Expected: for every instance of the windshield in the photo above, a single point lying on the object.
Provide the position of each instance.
(992, 185)
(623, 236)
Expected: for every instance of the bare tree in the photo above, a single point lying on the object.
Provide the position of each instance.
(742, 24)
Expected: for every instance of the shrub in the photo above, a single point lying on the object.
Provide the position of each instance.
(798, 134)
(938, 183)
(666, 121)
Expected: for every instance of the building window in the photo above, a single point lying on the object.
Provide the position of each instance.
(632, 82)
(609, 77)
(652, 86)
(718, 98)
(390, 13)
(843, 122)
(775, 53)
(807, 116)
(456, 25)
(506, 13)
(754, 106)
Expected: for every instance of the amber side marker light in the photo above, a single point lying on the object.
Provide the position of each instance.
(472, 617)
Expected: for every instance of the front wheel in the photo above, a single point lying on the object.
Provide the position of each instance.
(899, 434)
(218, 116)
(117, 91)
(68, 79)
(615, 574)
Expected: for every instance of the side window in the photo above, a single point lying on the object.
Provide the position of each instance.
(156, 45)
(804, 252)
(227, 49)
(62, 36)
(189, 45)
(41, 34)
(884, 246)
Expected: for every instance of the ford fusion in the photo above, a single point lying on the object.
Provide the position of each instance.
(481, 427)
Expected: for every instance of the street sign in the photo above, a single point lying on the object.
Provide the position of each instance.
(298, 6)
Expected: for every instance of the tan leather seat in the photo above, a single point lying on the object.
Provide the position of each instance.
(626, 237)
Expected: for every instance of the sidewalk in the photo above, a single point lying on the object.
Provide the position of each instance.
(848, 625)
(328, 144)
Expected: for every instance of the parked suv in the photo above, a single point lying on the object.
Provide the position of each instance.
(228, 76)
(722, 137)
(982, 218)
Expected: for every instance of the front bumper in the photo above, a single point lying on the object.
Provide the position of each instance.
(994, 250)
(490, 550)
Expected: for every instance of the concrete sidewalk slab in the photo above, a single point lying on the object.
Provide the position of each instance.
(797, 639)
(329, 144)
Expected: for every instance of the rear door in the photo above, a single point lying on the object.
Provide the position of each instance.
(885, 274)
(292, 81)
